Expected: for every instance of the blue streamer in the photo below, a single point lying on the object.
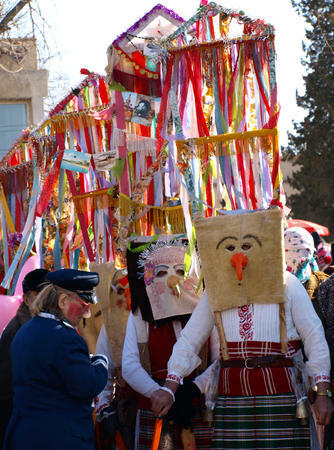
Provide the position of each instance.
(5, 243)
(23, 260)
(56, 248)
(236, 211)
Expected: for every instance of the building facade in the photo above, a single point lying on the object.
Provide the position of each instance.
(23, 87)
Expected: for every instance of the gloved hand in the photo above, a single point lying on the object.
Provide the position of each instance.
(183, 409)
(108, 422)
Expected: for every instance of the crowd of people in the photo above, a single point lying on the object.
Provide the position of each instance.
(243, 361)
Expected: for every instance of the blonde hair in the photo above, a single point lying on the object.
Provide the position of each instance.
(47, 301)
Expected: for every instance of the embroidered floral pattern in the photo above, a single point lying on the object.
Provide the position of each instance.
(173, 377)
(322, 377)
(246, 326)
(149, 273)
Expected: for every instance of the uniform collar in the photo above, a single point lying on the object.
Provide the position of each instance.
(46, 315)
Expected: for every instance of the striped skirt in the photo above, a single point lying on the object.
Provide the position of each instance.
(171, 434)
(259, 422)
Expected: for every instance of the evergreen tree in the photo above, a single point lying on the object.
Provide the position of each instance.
(311, 146)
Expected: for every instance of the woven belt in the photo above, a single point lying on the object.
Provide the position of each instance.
(259, 361)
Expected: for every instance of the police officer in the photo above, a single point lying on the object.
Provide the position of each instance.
(54, 377)
(32, 283)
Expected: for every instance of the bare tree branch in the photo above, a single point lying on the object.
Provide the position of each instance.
(12, 13)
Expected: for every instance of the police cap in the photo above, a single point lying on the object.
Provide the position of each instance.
(78, 281)
(34, 280)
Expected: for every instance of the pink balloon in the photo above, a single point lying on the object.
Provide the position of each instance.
(32, 263)
(9, 304)
(8, 308)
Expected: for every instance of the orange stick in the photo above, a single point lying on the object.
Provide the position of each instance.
(119, 441)
(157, 434)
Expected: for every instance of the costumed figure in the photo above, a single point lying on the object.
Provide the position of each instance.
(161, 303)
(114, 409)
(323, 252)
(54, 377)
(263, 316)
(32, 284)
(300, 259)
(324, 306)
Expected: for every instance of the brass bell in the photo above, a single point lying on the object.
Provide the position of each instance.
(301, 412)
(208, 416)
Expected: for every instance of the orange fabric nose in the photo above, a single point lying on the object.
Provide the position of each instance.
(239, 261)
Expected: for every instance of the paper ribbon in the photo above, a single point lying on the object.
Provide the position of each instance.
(8, 217)
(50, 183)
(81, 218)
(25, 233)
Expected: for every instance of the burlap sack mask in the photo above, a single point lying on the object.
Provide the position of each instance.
(258, 238)
(114, 300)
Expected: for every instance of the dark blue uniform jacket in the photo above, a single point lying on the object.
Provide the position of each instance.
(54, 384)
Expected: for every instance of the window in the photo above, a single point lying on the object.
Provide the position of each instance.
(13, 119)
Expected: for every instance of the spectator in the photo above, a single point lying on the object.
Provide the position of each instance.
(32, 283)
(324, 306)
(54, 378)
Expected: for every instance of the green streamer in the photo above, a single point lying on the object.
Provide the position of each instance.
(189, 252)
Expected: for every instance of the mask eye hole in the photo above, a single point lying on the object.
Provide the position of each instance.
(246, 246)
(230, 248)
(161, 273)
(180, 272)
(120, 290)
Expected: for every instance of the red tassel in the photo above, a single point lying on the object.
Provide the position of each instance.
(103, 91)
(163, 103)
(194, 71)
(275, 170)
(252, 186)
(276, 203)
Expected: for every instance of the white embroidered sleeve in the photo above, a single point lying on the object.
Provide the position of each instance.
(185, 358)
(202, 380)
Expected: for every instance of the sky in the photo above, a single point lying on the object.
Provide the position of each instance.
(81, 31)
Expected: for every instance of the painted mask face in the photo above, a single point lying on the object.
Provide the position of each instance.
(242, 258)
(169, 294)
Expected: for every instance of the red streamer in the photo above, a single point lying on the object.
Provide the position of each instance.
(52, 178)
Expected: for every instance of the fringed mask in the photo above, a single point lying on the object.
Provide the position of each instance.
(242, 258)
(299, 253)
(162, 266)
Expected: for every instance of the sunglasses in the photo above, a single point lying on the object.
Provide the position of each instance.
(79, 300)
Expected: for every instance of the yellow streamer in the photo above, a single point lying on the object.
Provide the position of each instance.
(9, 219)
(226, 137)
